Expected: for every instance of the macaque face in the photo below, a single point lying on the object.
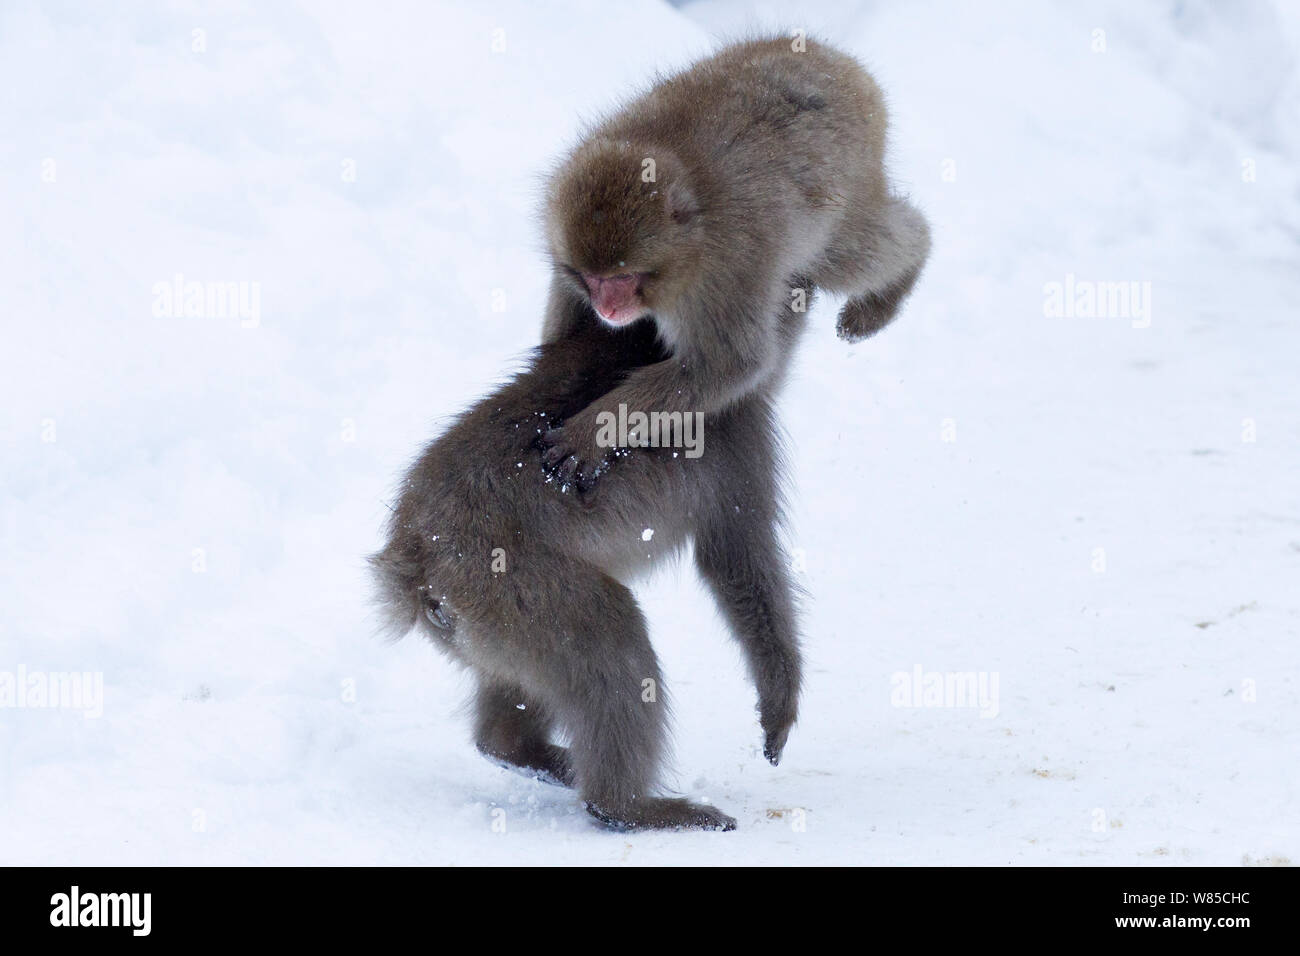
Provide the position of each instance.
(626, 242)
(642, 277)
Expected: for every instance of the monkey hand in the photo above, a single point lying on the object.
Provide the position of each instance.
(572, 456)
(774, 744)
(776, 715)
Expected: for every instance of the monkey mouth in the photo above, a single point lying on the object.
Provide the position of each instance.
(622, 317)
(617, 298)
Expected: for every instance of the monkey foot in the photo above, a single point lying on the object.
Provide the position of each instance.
(862, 318)
(546, 762)
(865, 315)
(535, 773)
(663, 813)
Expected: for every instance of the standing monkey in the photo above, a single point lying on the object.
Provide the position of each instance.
(764, 179)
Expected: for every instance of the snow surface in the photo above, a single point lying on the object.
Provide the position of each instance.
(187, 501)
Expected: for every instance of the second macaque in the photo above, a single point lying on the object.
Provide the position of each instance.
(693, 205)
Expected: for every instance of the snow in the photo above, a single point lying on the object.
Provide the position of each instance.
(1092, 522)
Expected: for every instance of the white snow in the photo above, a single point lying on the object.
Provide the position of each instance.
(1096, 523)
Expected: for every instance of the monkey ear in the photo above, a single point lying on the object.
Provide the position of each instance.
(680, 203)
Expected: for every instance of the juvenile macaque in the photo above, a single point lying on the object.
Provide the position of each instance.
(694, 205)
(767, 181)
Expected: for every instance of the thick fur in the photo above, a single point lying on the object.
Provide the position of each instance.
(767, 163)
(556, 640)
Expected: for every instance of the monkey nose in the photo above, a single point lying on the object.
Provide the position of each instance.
(611, 294)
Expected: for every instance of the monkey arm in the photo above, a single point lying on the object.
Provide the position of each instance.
(724, 345)
(714, 365)
(683, 385)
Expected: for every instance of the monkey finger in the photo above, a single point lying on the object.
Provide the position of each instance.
(568, 469)
(555, 454)
(587, 482)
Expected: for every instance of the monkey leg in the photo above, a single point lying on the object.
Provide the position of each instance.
(739, 559)
(875, 259)
(585, 654)
(513, 729)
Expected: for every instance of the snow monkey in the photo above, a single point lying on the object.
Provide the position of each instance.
(692, 206)
(681, 287)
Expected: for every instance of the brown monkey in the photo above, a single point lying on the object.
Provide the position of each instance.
(525, 585)
(695, 203)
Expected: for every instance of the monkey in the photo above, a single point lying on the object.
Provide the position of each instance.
(691, 206)
(526, 585)
(507, 558)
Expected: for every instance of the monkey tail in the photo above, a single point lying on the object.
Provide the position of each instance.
(403, 596)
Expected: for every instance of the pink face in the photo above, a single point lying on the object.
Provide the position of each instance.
(616, 299)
